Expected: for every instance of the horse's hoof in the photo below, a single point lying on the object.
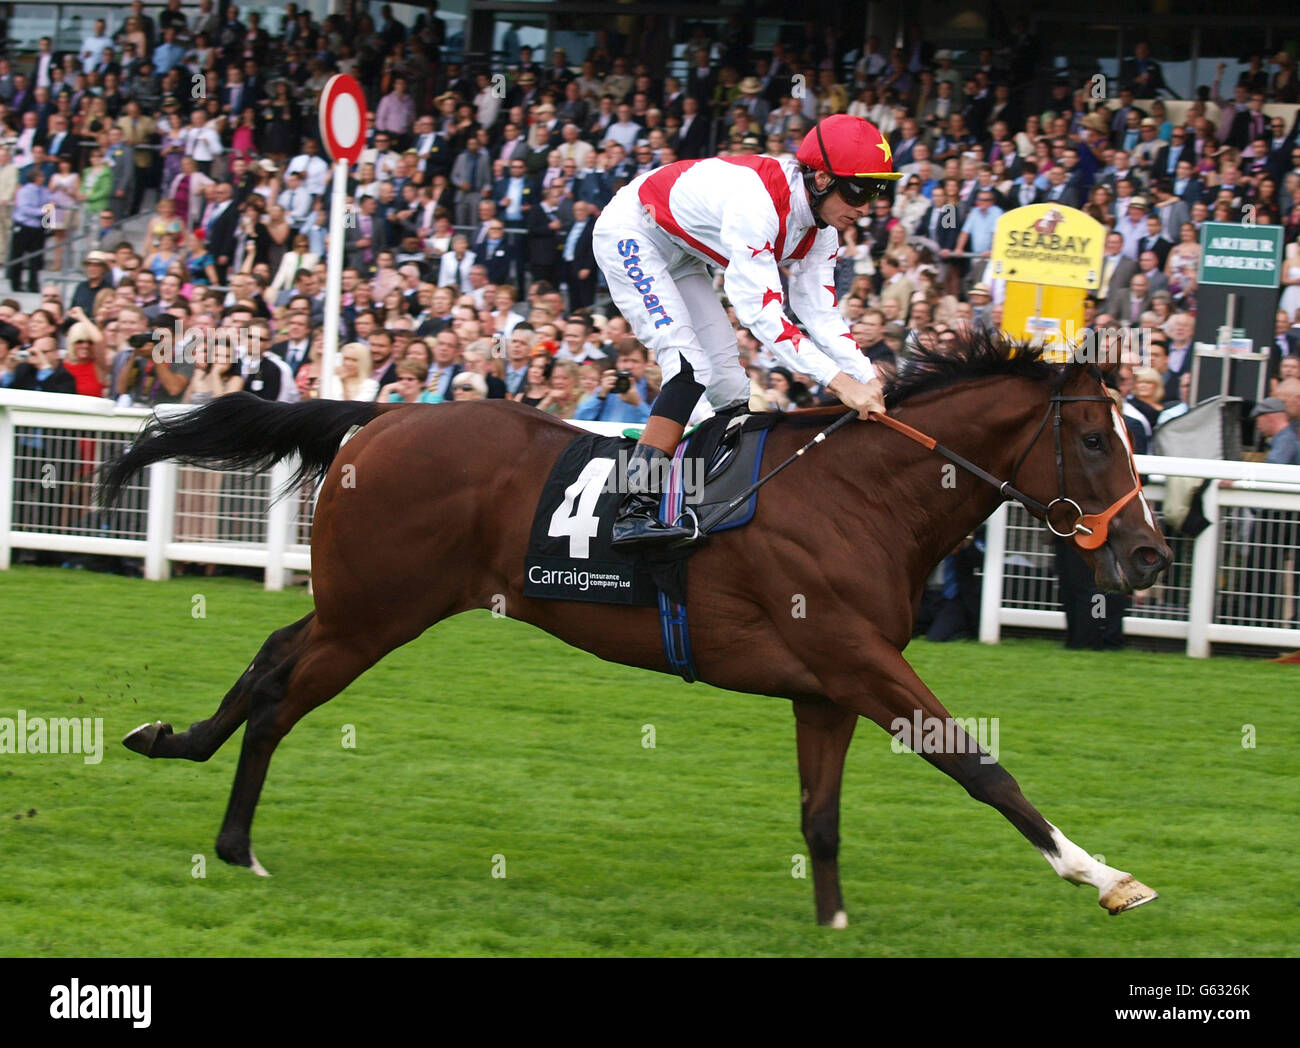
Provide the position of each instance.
(1128, 894)
(145, 737)
(840, 920)
(256, 866)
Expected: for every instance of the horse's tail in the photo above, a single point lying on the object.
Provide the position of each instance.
(241, 431)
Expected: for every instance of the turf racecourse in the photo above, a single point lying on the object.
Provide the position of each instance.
(488, 739)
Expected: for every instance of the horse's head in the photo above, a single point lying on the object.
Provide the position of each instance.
(1082, 469)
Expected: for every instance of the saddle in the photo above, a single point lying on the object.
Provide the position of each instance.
(568, 551)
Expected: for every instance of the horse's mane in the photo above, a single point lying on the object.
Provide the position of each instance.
(978, 355)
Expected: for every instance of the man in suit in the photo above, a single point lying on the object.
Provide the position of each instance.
(1250, 124)
(445, 367)
(470, 175)
(1117, 270)
(1142, 73)
(1186, 187)
(515, 194)
(59, 143)
(499, 254)
(295, 349)
(545, 232)
(121, 161)
(1130, 304)
(1119, 122)
(1167, 158)
(693, 139)
(895, 286)
(580, 258)
(1058, 190)
(1172, 211)
(1155, 242)
(221, 229)
(940, 223)
(365, 235)
(46, 60)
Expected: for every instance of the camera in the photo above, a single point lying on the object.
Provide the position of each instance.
(23, 354)
(622, 382)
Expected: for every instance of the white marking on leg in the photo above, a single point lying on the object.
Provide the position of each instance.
(840, 920)
(256, 866)
(1078, 867)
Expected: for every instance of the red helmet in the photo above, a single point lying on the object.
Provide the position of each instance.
(854, 152)
(848, 147)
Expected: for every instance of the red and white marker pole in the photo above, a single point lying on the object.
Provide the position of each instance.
(343, 130)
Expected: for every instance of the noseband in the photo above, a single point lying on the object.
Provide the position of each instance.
(1089, 531)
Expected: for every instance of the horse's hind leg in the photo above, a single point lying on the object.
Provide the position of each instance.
(823, 732)
(317, 667)
(204, 738)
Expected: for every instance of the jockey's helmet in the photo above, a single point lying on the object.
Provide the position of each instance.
(854, 153)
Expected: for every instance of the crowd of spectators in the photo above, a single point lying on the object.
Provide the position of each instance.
(469, 267)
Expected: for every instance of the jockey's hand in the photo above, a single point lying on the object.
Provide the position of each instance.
(863, 397)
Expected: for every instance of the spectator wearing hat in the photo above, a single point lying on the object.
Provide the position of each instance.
(751, 98)
(1149, 144)
(97, 279)
(1132, 225)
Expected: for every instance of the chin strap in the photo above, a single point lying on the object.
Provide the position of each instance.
(816, 196)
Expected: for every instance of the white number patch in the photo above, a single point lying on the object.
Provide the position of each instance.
(581, 525)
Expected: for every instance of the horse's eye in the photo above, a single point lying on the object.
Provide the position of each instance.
(1093, 442)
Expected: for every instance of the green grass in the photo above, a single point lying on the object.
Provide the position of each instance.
(487, 737)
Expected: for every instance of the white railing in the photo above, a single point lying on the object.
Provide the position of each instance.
(50, 447)
(1237, 582)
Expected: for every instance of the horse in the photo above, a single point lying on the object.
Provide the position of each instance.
(425, 512)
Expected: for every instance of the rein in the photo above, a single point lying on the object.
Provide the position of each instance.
(1088, 530)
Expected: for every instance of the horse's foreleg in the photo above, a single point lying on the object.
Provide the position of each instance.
(317, 668)
(204, 738)
(823, 731)
(897, 693)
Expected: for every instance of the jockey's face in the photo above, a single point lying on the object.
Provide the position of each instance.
(834, 210)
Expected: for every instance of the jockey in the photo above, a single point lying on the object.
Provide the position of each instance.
(745, 214)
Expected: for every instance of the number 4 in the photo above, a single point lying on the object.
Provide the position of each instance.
(581, 526)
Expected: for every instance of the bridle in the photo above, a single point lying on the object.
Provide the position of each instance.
(1088, 530)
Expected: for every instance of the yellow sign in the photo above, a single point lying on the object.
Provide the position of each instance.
(1049, 244)
(1052, 316)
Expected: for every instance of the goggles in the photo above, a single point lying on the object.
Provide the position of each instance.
(856, 191)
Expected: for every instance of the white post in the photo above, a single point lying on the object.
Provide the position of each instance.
(160, 520)
(329, 384)
(1205, 567)
(995, 552)
(6, 485)
(279, 519)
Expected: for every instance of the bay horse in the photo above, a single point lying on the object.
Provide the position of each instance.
(426, 511)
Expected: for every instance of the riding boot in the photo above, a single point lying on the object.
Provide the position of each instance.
(637, 525)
